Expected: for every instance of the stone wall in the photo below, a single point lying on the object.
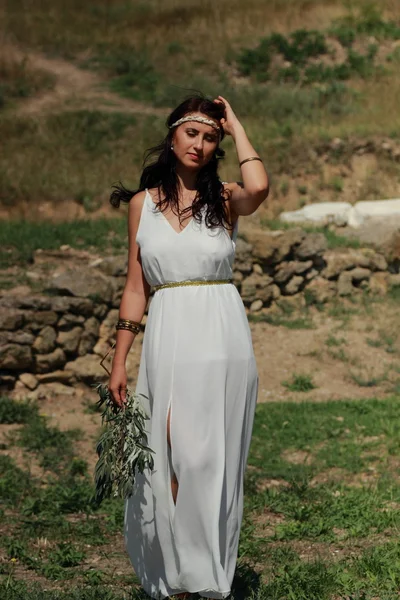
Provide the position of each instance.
(54, 340)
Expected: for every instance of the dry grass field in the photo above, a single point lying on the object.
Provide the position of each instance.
(86, 89)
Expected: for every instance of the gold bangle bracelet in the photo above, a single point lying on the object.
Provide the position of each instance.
(128, 328)
(248, 159)
(128, 325)
(130, 322)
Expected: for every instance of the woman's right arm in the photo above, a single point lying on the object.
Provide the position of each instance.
(133, 302)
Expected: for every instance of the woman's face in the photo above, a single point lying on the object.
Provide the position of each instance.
(195, 143)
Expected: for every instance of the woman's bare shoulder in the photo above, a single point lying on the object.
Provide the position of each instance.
(136, 203)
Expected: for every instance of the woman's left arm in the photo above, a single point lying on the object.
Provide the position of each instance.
(245, 197)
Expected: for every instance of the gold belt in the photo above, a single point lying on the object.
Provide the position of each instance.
(196, 282)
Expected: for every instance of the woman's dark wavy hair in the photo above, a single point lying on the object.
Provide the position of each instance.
(161, 172)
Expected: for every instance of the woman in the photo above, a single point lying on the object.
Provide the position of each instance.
(197, 371)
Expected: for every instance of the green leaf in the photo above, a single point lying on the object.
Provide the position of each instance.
(122, 449)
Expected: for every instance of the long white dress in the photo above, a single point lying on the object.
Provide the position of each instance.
(197, 359)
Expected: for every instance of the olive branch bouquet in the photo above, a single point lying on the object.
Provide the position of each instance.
(122, 447)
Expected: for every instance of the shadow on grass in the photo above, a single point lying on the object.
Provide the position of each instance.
(246, 583)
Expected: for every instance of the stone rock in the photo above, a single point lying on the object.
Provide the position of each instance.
(275, 291)
(46, 391)
(243, 251)
(15, 357)
(336, 144)
(20, 391)
(68, 304)
(16, 337)
(119, 283)
(253, 287)
(33, 275)
(83, 282)
(100, 310)
(312, 245)
(113, 265)
(256, 305)
(377, 262)
(379, 283)
(391, 248)
(321, 290)
(394, 279)
(286, 270)
(345, 284)
(35, 321)
(10, 318)
(116, 299)
(257, 269)
(65, 254)
(31, 302)
(244, 267)
(57, 389)
(237, 277)
(363, 211)
(46, 340)
(311, 274)
(69, 340)
(7, 381)
(359, 274)
(273, 246)
(18, 290)
(50, 362)
(69, 320)
(347, 258)
(29, 380)
(91, 326)
(87, 368)
(63, 376)
(294, 285)
(321, 213)
(107, 327)
(89, 336)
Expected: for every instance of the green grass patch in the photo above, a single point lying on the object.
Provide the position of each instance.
(303, 51)
(16, 412)
(333, 239)
(366, 20)
(300, 382)
(54, 447)
(315, 455)
(365, 379)
(333, 341)
(278, 320)
(19, 239)
(15, 483)
(77, 155)
(394, 293)
(19, 80)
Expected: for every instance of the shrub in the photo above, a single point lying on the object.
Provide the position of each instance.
(15, 412)
(300, 383)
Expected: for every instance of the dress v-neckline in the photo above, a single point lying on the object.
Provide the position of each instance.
(165, 218)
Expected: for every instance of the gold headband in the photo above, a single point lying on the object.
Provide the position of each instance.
(198, 119)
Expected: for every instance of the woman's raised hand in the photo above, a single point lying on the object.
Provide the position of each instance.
(118, 384)
(230, 121)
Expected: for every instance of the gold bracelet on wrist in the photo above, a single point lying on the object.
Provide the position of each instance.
(251, 158)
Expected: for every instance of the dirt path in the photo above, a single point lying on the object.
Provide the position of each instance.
(74, 89)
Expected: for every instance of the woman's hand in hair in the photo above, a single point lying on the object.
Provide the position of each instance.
(230, 122)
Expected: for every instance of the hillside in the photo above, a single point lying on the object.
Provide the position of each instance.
(86, 89)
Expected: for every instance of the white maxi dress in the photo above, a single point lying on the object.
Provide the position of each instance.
(198, 360)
